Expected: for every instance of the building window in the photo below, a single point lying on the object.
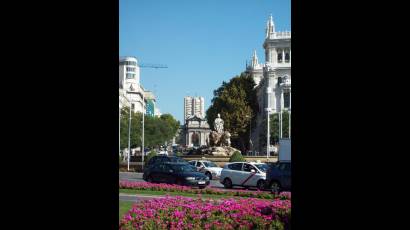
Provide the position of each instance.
(286, 100)
(131, 63)
(287, 56)
(279, 55)
(130, 69)
(132, 106)
(279, 80)
(130, 76)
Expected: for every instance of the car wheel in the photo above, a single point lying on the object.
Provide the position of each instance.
(275, 187)
(261, 184)
(209, 175)
(227, 183)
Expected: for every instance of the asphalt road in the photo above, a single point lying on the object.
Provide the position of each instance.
(137, 177)
(132, 176)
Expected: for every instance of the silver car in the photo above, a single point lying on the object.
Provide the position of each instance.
(210, 169)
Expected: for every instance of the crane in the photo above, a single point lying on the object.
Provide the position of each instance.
(156, 66)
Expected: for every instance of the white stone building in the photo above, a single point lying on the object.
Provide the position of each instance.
(131, 91)
(273, 79)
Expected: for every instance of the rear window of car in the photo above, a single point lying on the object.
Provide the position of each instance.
(236, 166)
(176, 159)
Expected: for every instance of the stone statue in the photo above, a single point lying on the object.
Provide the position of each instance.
(219, 124)
(227, 138)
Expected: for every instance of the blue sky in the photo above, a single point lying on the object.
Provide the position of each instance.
(202, 42)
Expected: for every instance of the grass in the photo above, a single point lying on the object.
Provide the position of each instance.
(125, 206)
(159, 193)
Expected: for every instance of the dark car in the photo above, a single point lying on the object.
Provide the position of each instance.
(165, 158)
(278, 177)
(175, 173)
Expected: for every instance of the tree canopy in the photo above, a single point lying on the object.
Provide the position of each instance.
(157, 130)
(237, 103)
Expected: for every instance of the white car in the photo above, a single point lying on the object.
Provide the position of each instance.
(244, 174)
(208, 167)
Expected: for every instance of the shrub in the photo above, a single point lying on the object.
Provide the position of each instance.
(236, 156)
(151, 154)
(179, 154)
(188, 213)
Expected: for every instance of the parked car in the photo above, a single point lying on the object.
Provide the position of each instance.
(210, 169)
(175, 173)
(244, 174)
(278, 177)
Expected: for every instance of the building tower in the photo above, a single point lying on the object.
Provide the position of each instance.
(194, 106)
(129, 83)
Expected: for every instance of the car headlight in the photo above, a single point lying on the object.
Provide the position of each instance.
(190, 178)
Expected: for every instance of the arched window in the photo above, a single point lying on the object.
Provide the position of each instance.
(195, 139)
(279, 51)
(286, 100)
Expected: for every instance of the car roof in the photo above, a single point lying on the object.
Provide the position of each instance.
(175, 163)
(253, 163)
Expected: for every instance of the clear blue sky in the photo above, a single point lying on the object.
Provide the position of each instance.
(202, 42)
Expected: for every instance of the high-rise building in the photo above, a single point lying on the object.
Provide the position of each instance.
(151, 104)
(194, 106)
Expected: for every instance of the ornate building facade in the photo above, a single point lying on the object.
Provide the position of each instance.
(273, 80)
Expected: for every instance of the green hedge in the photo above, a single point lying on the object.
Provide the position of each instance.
(236, 157)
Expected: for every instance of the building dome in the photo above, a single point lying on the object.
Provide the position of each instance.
(128, 61)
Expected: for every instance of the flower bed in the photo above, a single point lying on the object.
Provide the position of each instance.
(177, 188)
(188, 213)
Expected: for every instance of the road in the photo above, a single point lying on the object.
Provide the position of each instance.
(131, 176)
(137, 177)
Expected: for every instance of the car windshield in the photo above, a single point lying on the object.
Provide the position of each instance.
(209, 164)
(262, 167)
(182, 168)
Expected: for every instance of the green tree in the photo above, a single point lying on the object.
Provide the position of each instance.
(136, 128)
(236, 157)
(237, 103)
(157, 130)
(274, 128)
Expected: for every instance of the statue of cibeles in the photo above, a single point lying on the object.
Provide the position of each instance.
(219, 124)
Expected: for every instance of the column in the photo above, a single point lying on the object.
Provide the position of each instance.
(283, 55)
(290, 99)
(282, 102)
(290, 55)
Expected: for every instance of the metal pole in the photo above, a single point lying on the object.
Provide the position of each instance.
(280, 124)
(143, 121)
(129, 140)
(119, 133)
(268, 137)
(268, 91)
(250, 132)
(289, 124)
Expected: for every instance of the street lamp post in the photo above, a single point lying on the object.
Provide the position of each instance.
(129, 140)
(143, 121)
(268, 110)
(289, 124)
(250, 131)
